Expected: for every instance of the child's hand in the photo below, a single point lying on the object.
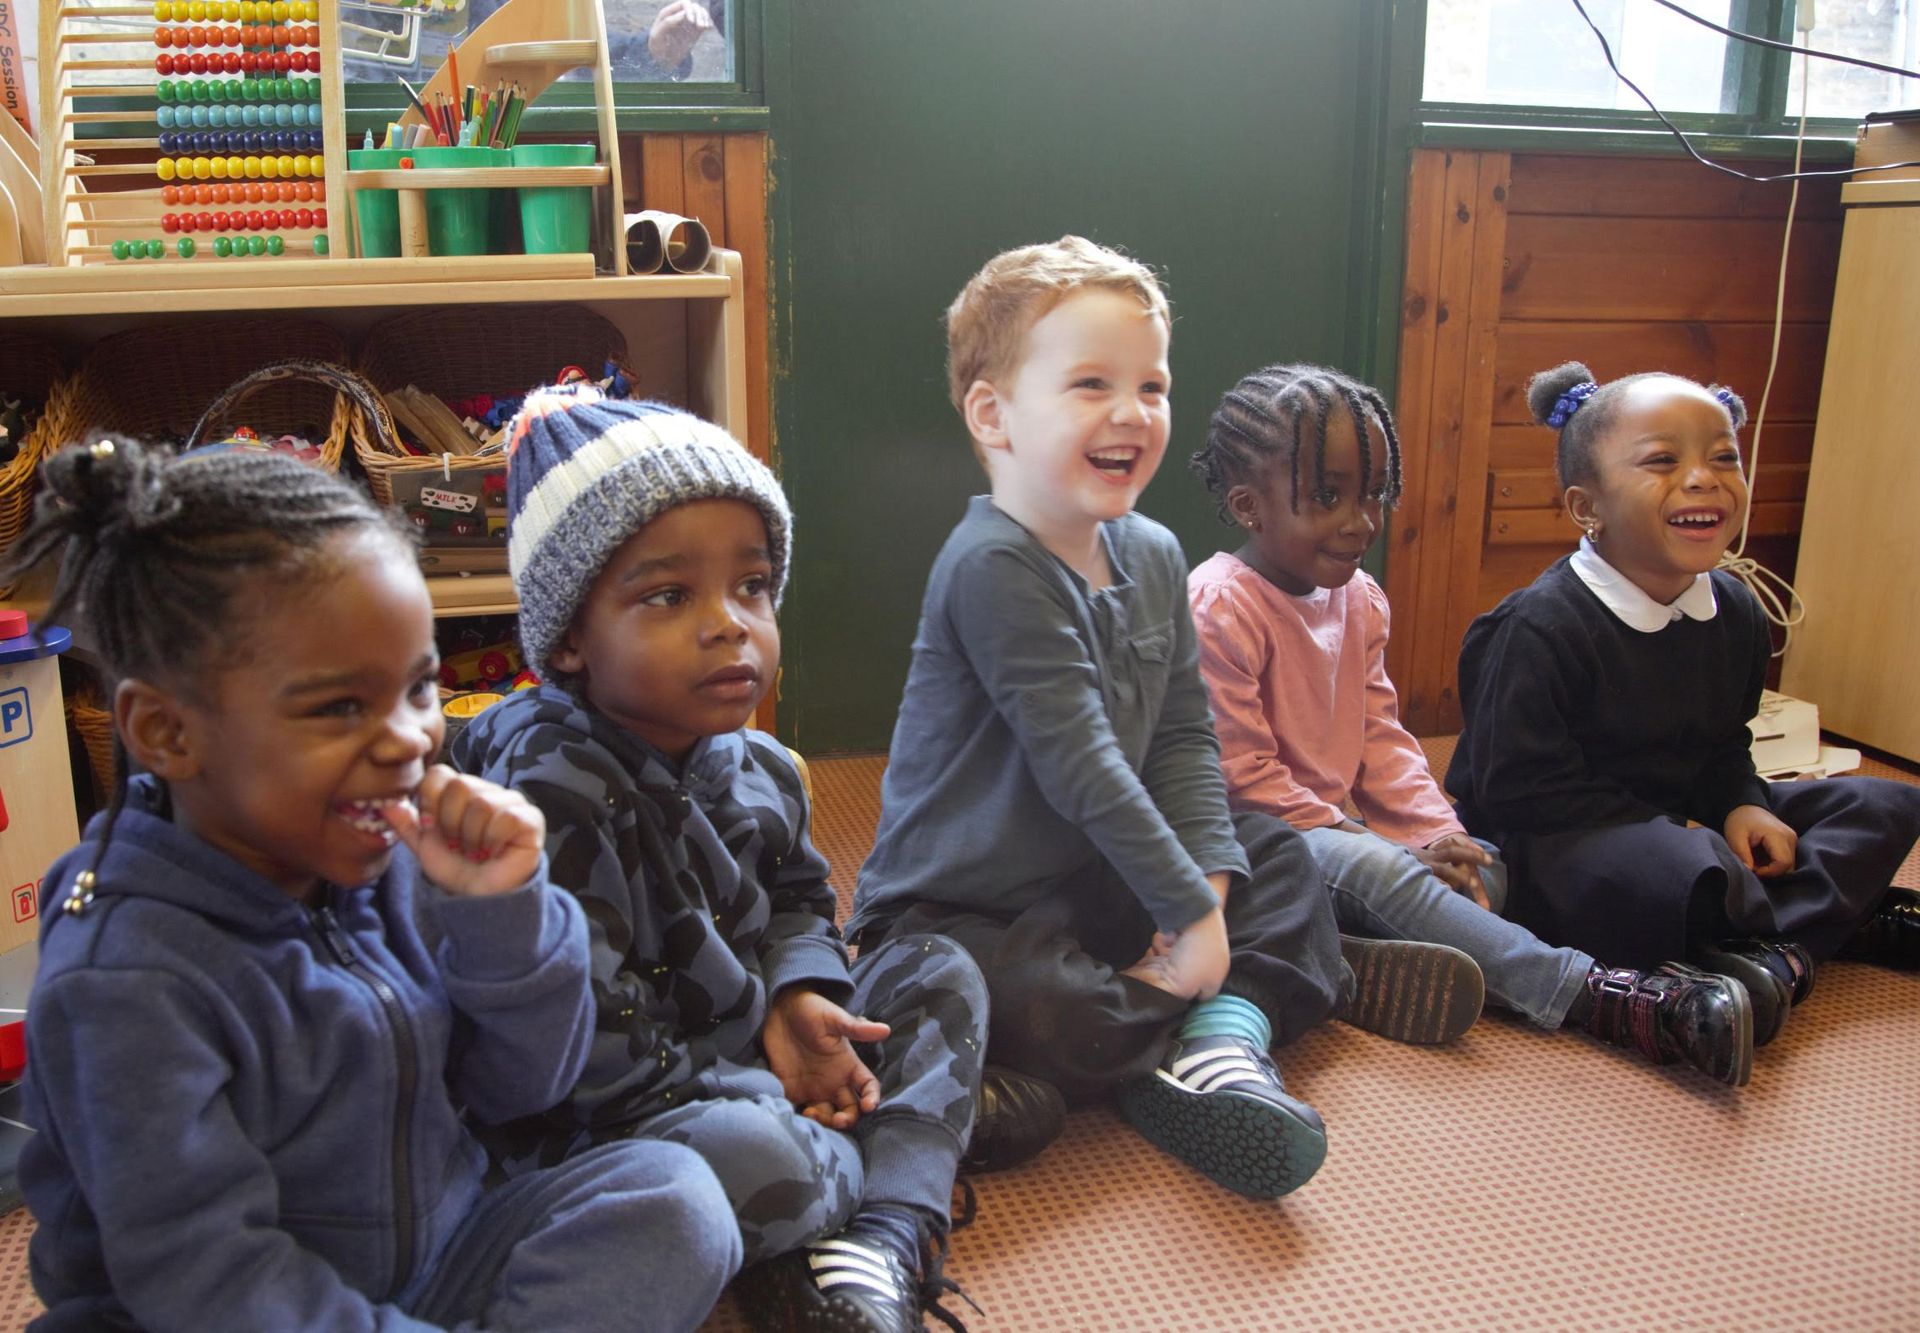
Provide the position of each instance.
(808, 1039)
(1192, 964)
(471, 837)
(1764, 845)
(676, 30)
(1456, 861)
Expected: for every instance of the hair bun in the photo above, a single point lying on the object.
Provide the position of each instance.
(1736, 405)
(107, 488)
(1544, 389)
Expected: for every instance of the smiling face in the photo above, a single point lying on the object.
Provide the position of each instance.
(284, 760)
(1080, 427)
(1668, 495)
(677, 639)
(1320, 545)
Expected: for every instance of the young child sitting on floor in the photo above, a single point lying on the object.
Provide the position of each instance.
(1293, 640)
(649, 551)
(1606, 705)
(294, 948)
(1053, 797)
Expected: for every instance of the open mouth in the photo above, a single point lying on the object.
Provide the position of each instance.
(369, 816)
(1118, 463)
(1697, 522)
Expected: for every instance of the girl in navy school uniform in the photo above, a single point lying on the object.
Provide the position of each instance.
(294, 948)
(1605, 745)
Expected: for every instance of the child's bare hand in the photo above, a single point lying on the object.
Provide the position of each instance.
(1764, 845)
(1195, 964)
(1456, 861)
(470, 837)
(809, 1044)
(676, 30)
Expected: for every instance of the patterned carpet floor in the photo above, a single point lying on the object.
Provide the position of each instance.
(1514, 1180)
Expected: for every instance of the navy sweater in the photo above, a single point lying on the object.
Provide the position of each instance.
(247, 1107)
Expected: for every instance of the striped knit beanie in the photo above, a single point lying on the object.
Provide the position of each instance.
(587, 472)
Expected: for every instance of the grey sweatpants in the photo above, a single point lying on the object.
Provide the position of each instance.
(625, 1236)
(791, 1180)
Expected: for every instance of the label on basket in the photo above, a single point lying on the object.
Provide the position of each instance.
(449, 508)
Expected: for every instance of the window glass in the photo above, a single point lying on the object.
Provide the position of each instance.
(1884, 30)
(1541, 53)
(651, 41)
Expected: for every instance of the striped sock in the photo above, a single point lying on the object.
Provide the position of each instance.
(1227, 1016)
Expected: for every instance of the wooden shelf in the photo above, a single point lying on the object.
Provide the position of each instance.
(452, 594)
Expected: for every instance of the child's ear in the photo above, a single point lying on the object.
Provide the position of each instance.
(1243, 503)
(156, 730)
(1580, 508)
(566, 655)
(985, 415)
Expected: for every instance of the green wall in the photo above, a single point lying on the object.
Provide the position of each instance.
(1240, 146)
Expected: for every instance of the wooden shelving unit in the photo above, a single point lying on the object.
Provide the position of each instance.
(685, 334)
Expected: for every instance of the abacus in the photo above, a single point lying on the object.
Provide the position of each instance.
(246, 132)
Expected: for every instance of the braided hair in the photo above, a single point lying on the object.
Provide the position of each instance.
(155, 550)
(1274, 413)
(1566, 398)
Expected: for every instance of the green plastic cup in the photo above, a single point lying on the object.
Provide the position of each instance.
(555, 219)
(459, 222)
(378, 210)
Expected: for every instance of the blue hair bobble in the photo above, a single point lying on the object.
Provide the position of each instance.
(1569, 402)
(1726, 397)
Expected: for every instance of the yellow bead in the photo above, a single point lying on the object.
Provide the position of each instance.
(162, 10)
(300, 165)
(279, 11)
(236, 168)
(230, 11)
(252, 168)
(285, 164)
(270, 167)
(218, 166)
(196, 10)
(249, 11)
(164, 168)
(202, 168)
(317, 165)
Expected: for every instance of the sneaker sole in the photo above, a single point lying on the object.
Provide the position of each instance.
(795, 1306)
(1422, 994)
(1245, 1143)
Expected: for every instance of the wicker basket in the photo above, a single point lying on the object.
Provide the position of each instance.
(436, 350)
(93, 724)
(36, 373)
(156, 382)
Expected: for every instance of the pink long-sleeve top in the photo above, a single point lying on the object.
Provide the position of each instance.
(1306, 716)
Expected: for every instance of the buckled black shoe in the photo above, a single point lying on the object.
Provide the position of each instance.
(1677, 1014)
(1217, 1104)
(1747, 962)
(1018, 1117)
(1891, 936)
(879, 1274)
(1410, 991)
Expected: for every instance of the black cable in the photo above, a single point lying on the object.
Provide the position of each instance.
(1606, 49)
(1705, 22)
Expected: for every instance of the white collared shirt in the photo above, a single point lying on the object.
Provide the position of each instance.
(1630, 602)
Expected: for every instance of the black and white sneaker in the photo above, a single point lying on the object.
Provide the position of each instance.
(1217, 1104)
(879, 1274)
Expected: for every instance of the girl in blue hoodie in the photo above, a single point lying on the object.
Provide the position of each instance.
(279, 967)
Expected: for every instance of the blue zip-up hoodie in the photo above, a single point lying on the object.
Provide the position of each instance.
(249, 1110)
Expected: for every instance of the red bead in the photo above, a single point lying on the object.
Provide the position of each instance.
(282, 62)
(303, 217)
(256, 220)
(207, 222)
(199, 63)
(320, 217)
(230, 62)
(222, 222)
(163, 64)
(313, 62)
(279, 218)
(169, 222)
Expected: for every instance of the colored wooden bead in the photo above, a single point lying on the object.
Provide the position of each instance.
(320, 244)
(184, 247)
(156, 248)
(276, 245)
(222, 246)
(120, 249)
(256, 245)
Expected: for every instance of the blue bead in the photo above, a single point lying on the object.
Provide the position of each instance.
(250, 115)
(200, 115)
(166, 143)
(308, 140)
(165, 116)
(250, 141)
(283, 139)
(301, 114)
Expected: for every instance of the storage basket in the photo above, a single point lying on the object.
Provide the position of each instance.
(157, 383)
(437, 350)
(35, 372)
(93, 724)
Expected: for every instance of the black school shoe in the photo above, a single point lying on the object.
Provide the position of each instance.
(1404, 990)
(1777, 976)
(1891, 936)
(878, 1274)
(1018, 1117)
(1677, 1014)
(1217, 1104)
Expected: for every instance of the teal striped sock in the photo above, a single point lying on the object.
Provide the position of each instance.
(1227, 1016)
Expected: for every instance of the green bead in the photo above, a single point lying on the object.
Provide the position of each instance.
(164, 90)
(156, 248)
(184, 247)
(283, 89)
(276, 245)
(250, 90)
(256, 245)
(320, 244)
(121, 249)
(233, 91)
(222, 246)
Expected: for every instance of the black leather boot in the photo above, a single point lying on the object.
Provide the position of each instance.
(1891, 936)
(1676, 1014)
(1018, 1117)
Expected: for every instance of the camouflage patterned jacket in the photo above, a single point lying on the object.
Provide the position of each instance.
(703, 894)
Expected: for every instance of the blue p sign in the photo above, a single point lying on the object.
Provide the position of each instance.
(16, 717)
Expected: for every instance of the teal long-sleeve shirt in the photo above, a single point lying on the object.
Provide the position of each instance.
(1046, 727)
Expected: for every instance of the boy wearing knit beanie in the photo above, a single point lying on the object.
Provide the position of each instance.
(649, 551)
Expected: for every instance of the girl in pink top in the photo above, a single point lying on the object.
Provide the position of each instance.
(1293, 638)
